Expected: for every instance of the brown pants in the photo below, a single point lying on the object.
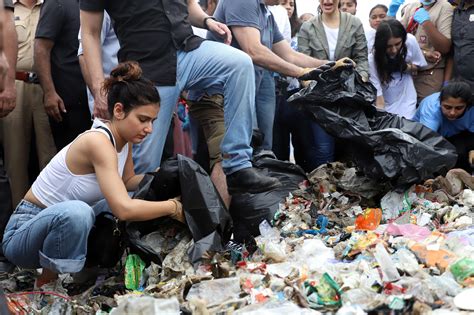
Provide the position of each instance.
(29, 115)
(428, 82)
(209, 112)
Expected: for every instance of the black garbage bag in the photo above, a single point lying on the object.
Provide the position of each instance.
(384, 146)
(249, 210)
(206, 215)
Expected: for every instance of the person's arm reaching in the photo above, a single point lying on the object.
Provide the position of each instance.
(53, 103)
(91, 26)
(103, 158)
(284, 51)
(249, 40)
(8, 96)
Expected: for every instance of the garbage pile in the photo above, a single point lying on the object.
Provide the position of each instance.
(341, 243)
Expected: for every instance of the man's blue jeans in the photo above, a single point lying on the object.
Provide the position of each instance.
(211, 65)
(54, 238)
(265, 106)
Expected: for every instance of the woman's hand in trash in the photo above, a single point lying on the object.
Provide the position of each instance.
(178, 213)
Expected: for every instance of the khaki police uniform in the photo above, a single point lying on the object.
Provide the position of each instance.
(29, 114)
(430, 79)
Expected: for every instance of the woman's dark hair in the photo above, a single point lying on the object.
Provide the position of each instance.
(387, 66)
(378, 6)
(457, 89)
(295, 22)
(127, 86)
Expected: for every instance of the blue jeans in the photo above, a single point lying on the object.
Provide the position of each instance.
(265, 106)
(324, 143)
(211, 65)
(54, 238)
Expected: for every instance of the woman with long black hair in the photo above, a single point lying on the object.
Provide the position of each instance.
(395, 57)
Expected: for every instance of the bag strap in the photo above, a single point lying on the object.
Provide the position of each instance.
(108, 132)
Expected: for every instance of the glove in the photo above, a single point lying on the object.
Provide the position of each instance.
(393, 7)
(344, 63)
(421, 16)
(309, 74)
(178, 214)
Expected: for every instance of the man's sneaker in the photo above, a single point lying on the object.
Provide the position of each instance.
(250, 180)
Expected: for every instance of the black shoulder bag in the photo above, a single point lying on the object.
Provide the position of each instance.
(106, 242)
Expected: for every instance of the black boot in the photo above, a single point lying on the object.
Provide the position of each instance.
(250, 180)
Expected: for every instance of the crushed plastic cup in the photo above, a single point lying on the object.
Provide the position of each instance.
(369, 220)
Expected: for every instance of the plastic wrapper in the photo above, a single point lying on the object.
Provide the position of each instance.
(369, 220)
(411, 231)
(215, 291)
(385, 146)
(325, 292)
(406, 261)
(389, 271)
(364, 297)
(463, 269)
(134, 267)
(145, 305)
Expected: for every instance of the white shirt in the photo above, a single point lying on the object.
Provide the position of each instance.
(331, 36)
(370, 36)
(283, 22)
(399, 94)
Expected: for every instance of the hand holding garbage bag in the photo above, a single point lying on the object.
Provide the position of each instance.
(316, 73)
(384, 146)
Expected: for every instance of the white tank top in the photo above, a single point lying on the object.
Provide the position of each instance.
(56, 183)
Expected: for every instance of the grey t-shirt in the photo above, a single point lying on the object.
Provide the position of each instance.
(252, 13)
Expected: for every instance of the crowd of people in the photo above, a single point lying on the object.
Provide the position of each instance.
(90, 89)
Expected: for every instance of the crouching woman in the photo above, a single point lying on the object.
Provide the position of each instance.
(451, 114)
(50, 226)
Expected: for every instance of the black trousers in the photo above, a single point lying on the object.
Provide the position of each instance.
(464, 142)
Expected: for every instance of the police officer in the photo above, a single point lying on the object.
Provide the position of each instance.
(29, 113)
(463, 41)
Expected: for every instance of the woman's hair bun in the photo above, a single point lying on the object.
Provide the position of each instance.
(124, 72)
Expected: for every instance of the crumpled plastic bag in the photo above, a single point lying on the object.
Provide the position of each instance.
(385, 146)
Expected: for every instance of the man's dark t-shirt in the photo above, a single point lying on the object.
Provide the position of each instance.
(463, 44)
(150, 32)
(59, 21)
